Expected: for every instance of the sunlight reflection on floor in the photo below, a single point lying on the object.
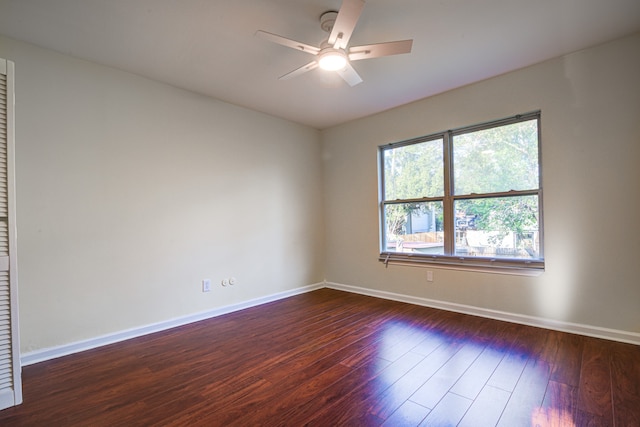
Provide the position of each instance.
(551, 417)
(443, 360)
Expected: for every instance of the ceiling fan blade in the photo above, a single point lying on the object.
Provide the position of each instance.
(295, 73)
(380, 49)
(288, 42)
(345, 23)
(350, 75)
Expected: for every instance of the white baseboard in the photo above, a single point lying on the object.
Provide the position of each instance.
(67, 349)
(575, 328)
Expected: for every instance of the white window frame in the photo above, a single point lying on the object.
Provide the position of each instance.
(449, 259)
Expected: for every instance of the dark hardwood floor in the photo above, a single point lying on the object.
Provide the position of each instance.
(329, 358)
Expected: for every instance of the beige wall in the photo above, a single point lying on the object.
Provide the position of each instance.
(130, 192)
(590, 103)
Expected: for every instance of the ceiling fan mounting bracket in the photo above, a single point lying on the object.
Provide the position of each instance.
(327, 20)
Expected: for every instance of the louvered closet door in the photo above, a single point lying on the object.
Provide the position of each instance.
(10, 370)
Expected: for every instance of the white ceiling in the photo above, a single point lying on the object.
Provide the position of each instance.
(208, 46)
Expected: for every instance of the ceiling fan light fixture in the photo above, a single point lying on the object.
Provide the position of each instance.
(332, 60)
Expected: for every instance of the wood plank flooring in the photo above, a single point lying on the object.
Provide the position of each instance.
(330, 358)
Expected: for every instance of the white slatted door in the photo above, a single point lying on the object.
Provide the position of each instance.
(10, 369)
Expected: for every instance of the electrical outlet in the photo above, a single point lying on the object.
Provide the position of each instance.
(206, 285)
(429, 276)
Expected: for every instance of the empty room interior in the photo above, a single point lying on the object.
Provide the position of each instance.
(206, 227)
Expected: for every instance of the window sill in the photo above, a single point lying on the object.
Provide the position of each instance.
(517, 267)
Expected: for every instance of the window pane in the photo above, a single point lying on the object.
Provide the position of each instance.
(505, 227)
(497, 159)
(414, 171)
(414, 227)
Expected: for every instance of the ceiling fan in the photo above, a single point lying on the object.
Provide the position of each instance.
(333, 54)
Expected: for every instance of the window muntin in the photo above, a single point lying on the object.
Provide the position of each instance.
(471, 196)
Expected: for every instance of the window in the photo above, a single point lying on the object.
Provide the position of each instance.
(468, 197)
